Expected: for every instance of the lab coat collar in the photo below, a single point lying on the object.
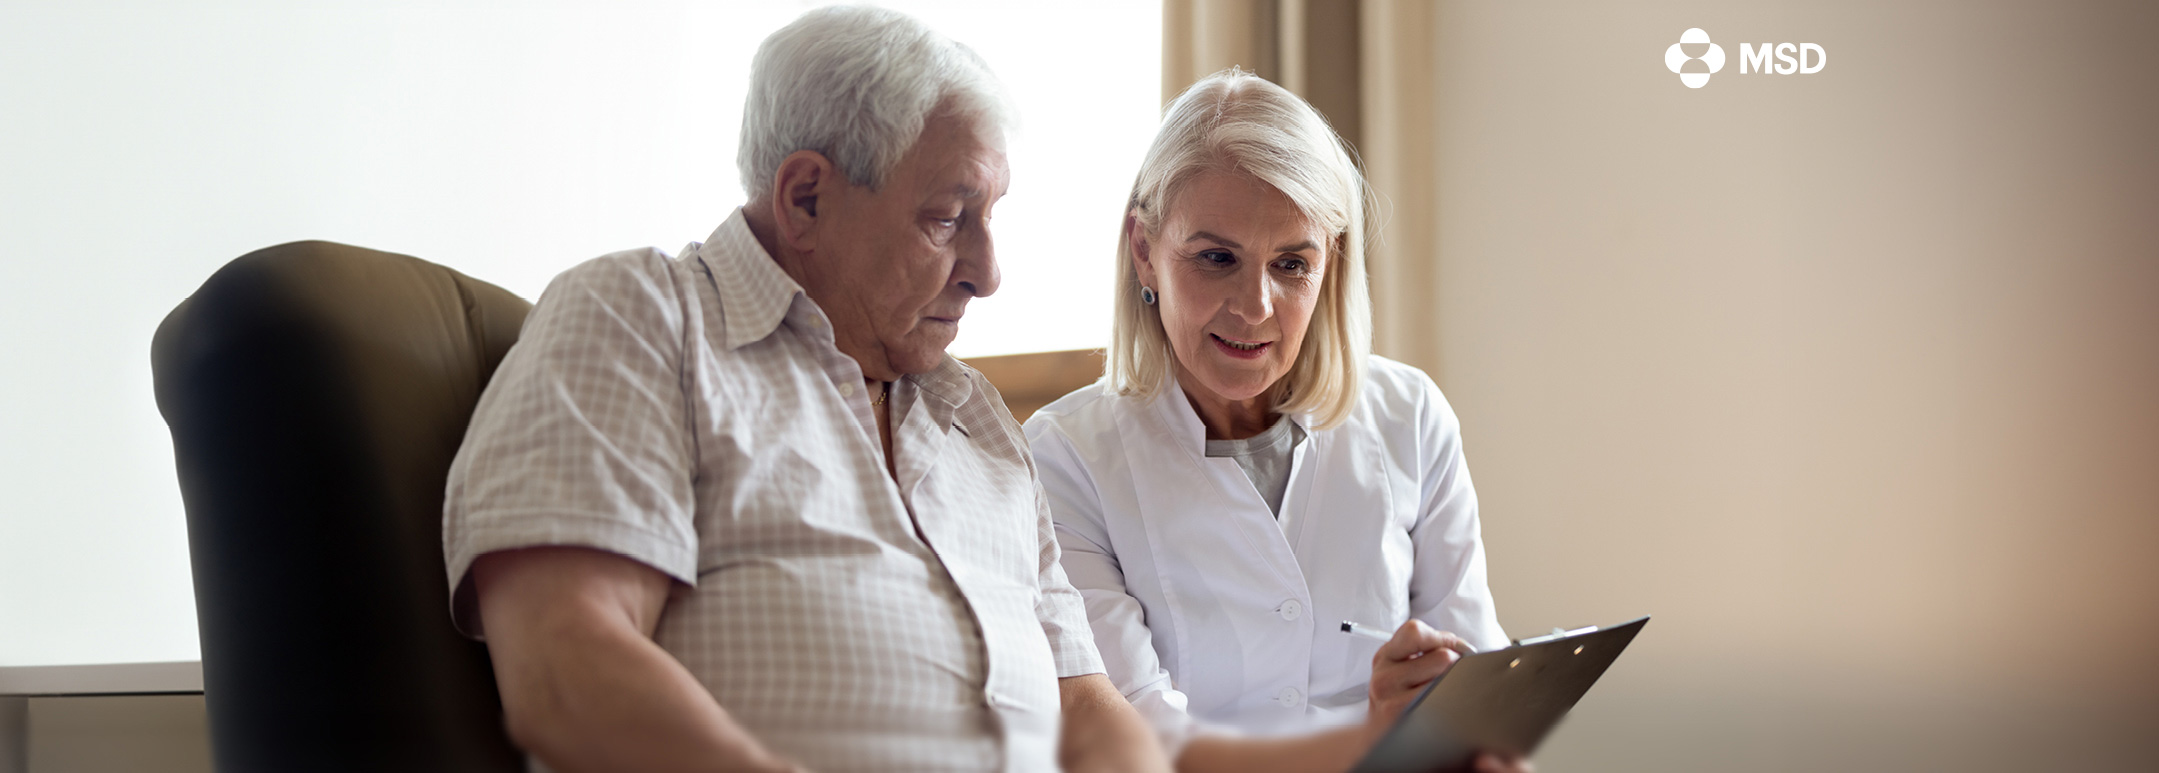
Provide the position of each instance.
(1175, 410)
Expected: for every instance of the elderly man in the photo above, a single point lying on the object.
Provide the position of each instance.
(738, 510)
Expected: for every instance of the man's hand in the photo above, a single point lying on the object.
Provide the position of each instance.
(1102, 732)
(584, 688)
(1405, 664)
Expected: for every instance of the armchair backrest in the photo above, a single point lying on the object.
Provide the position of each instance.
(316, 394)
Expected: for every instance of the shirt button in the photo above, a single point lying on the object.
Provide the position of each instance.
(847, 389)
(1290, 610)
(1289, 696)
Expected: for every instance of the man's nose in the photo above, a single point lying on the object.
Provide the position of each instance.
(976, 269)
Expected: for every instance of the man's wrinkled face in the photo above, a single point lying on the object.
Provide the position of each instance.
(899, 264)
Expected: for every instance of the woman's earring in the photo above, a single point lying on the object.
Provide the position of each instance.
(1146, 295)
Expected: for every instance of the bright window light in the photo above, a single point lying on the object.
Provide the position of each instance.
(146, 144)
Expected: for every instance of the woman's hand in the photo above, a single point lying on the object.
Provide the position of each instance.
(1415, 656)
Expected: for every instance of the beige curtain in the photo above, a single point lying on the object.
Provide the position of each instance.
(1366, 65)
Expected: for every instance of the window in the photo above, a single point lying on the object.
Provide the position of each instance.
(146, 145)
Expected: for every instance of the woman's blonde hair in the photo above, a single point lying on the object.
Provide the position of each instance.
(1234, 121)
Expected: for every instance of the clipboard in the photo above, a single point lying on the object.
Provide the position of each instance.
(1506, 700)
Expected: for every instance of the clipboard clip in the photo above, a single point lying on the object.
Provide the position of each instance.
(1557, 633)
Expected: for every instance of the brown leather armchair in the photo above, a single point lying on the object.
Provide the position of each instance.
(316, 394)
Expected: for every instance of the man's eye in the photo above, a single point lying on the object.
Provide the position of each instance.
(946, 222)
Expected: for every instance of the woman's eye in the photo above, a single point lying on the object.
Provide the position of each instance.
(1218, 257)
(1291, 265)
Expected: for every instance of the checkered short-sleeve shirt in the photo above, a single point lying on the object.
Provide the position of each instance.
(694, 414)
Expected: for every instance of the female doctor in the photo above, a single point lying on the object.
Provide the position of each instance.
(1247, 476)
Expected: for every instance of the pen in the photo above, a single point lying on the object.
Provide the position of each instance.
(1368, 632)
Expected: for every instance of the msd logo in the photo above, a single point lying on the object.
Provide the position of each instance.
(1694, 58)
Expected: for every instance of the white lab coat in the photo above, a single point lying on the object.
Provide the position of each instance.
(1206, 607)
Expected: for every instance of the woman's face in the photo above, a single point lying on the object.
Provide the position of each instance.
(1238, 271)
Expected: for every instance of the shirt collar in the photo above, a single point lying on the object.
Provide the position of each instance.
(755, 296)
(944, 390)
(754, 293)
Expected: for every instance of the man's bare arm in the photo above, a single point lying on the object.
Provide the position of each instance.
(583, 685)
(1102, 732)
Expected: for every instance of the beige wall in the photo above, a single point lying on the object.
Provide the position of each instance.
(1851, 379)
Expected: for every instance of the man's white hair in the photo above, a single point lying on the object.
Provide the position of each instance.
(857, 84)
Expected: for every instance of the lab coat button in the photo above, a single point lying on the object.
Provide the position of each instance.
(1290, 610)
(1289, 696)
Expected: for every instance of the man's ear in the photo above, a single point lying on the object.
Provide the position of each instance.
(1142, 260)
(804, 178)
